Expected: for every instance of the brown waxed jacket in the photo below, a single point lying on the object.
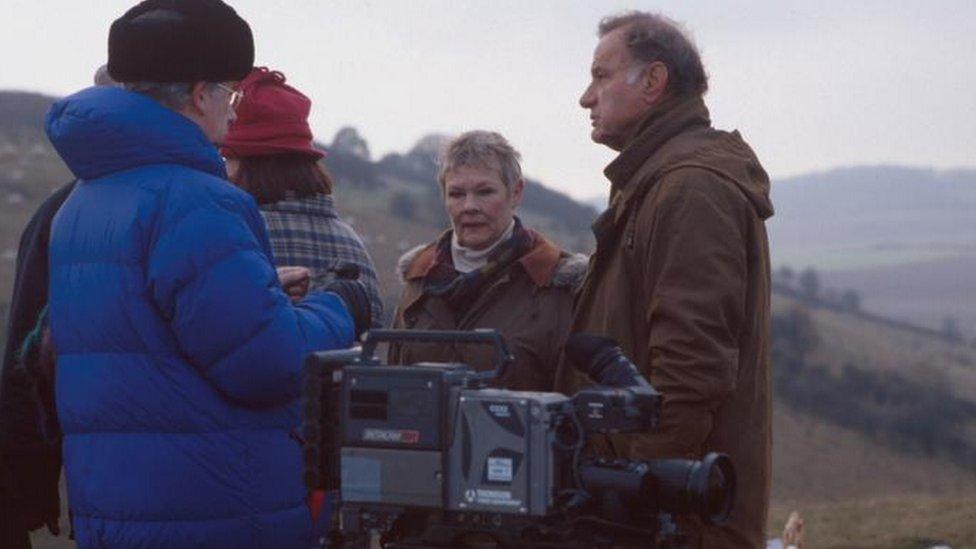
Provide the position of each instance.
(680, 278)
(530, 304)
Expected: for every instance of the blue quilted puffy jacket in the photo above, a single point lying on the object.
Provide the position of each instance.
(179, 354)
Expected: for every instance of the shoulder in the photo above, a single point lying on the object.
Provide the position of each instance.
(548, 265)
(191, 192)
(711, 163)
(414, 261)
(208, 214)
(343, 230)
(212, 189)
(689, 180)
(569, 271)
(693, 190)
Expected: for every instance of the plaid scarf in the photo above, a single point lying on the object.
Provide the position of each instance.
(460, 289)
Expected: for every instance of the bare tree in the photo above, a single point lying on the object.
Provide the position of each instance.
(850, 300)
(950, 329)
(785, 275)
(809, 284)
(403, 205)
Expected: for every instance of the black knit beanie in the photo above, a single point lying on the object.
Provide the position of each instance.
(180, 41)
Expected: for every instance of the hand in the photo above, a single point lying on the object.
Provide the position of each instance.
(53, 527)
(353, 294)
(295, 281)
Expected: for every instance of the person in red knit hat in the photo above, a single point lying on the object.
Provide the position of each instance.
(272, 120)
(271, 154)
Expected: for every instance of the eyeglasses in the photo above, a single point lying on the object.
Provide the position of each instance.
(236, 96)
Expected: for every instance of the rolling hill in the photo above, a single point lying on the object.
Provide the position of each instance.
(904, 238)
(827, 462)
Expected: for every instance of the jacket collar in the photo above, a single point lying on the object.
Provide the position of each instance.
(539, 263)
(659, 125)
(320, 205)
(103, 130)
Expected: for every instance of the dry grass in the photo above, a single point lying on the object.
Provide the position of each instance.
(817, 463)
(907, 522)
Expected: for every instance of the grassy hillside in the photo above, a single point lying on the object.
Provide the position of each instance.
(816, 462)
(876, 468)
(850, 339)
(904, 238)
(908, 522)
(922, 292)
(859, 479)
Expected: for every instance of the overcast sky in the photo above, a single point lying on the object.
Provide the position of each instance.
(811, 85)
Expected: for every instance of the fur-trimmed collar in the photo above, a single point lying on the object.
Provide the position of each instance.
(546, 264)
(411, 261)
(570, 271)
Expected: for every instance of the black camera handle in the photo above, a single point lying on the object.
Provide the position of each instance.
(481, 336)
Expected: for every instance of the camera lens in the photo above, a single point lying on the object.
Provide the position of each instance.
(601, 359)
(705, 488)
(712, 487)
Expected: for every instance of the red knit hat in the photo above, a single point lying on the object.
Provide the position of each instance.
(272, 118)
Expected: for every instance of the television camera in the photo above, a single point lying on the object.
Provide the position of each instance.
(428, 455)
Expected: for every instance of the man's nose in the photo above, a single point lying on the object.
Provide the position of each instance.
(587, 100)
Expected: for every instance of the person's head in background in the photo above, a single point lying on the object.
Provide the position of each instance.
(103, 78)
(269, 148)
(186, 54)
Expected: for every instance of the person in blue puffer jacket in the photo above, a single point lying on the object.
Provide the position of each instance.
(179, 353)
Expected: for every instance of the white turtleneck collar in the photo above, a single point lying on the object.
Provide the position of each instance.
(467, 260)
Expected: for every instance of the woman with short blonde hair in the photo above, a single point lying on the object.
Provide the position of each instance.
(488, 271)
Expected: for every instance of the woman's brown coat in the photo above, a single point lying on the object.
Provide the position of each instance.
(530, 303)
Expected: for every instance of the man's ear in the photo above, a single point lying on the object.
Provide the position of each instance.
(655, 82)
(199, 96)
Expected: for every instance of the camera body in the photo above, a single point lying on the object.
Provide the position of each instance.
(417, 436)
(427, 455)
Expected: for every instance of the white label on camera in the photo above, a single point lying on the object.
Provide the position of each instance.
(499, 469)
(496, 497)
(500, 410)
(595, 410)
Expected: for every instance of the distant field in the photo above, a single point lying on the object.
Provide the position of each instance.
(904, 238)
(923, 292)
(869, 216)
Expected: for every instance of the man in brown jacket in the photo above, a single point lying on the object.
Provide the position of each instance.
(680, 276)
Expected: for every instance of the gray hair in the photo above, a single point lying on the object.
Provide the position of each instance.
(652, 37)
(103, 78)
(174, 95)
(482, 149)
